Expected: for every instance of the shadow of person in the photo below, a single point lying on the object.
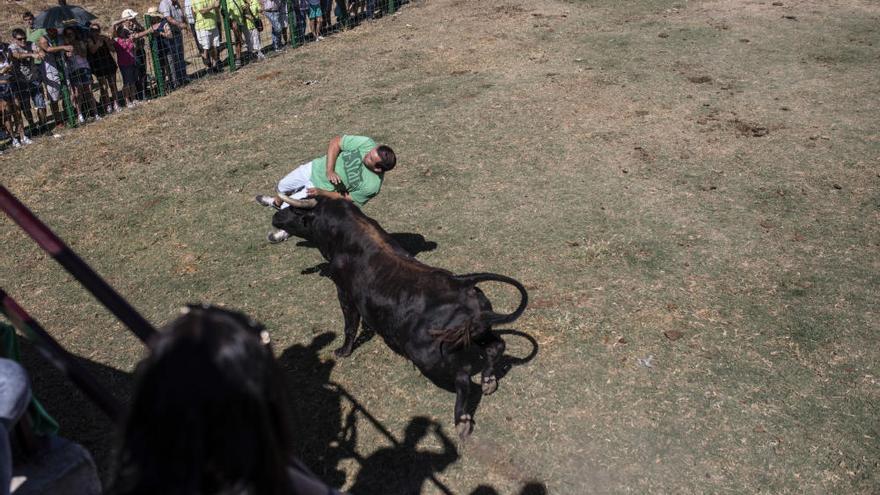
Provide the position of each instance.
(402, 469)
(79, 418)
(530, 488)
(316, 409)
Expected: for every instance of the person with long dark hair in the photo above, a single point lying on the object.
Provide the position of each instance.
(209, 415)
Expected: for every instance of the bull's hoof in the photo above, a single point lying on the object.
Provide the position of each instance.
(490, 385)
(342, 352)
(465, 426)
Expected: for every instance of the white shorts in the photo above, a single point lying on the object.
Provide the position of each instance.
(208, 39)
(296, 183)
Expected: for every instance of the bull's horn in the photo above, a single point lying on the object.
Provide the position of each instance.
(299, 203)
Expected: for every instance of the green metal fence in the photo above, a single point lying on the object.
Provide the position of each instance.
(169, 58)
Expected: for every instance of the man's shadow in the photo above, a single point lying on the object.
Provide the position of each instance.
(80, 420)
(414, 244)
(403, 468)
(316, 407)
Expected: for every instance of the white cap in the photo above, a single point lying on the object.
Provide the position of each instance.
(129, 14)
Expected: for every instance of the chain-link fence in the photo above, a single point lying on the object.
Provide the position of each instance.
(52, 79)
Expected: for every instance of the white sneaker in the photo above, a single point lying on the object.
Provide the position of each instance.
(260, 56)
(26, 140)
(278, 236)
(98, 117)
(265, 200)
(16, 144)
(80, 119)
(116, 107)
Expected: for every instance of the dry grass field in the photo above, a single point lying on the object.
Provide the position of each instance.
(689, 189)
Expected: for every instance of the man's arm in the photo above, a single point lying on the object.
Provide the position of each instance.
(46, 47)
(332, 152)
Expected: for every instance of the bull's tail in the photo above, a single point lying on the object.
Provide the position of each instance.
(491, 317)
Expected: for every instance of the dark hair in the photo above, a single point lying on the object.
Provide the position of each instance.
(387, 158)
(27, 13)
(18, 32)
(208, 414)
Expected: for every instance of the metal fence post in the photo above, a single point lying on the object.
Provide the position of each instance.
(293, 32)
(154, 50)
(66, 102)
(230, 54)
(392, 6)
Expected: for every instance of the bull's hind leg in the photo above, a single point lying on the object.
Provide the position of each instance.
(463, 421)
(494, 349)
(352, 320)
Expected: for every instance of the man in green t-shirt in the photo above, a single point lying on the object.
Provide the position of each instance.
(353, 169)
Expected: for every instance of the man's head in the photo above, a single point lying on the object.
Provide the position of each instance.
(19, 36)
(28, 18)
(380, 159)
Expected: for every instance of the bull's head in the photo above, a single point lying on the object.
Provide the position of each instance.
(296, 219)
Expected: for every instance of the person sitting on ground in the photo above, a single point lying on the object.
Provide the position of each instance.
(353, 168)
(80, 75)
(209, 415)
(28, 85)
(9, 113)
(104, 67)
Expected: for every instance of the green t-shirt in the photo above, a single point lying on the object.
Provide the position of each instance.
(204, 22)
(362, 183)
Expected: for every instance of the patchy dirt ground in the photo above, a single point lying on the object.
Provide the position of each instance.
(688, 189)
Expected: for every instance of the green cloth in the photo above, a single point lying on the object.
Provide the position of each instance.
(44, 424)
(204, 22)
(360, 182)
(34, 35)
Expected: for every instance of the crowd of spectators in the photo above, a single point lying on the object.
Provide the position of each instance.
(49, 78)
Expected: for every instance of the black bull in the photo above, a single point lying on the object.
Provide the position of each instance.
(440, 321)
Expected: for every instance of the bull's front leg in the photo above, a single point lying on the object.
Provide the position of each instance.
(463, 421)
(494, 349)
(352, 320)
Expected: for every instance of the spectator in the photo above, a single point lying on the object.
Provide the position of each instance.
(15, 395)
(104, 67)
(80, 75)
(125, 44)
(33, 35)
(246, 13)
(353, 165)
(28, 83)
(209, 415)
(191, 20)
(163, 55)
(52, 48)
(8, 109)
(315, 18)
(137, 32)
(207, 13)
(236, 24)
(255, 46)
(173, 46)
(276, 12)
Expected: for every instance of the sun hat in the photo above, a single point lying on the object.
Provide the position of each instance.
(153, 12)
(128, 14)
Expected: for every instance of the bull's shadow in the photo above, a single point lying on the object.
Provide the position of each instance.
(414, 244)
